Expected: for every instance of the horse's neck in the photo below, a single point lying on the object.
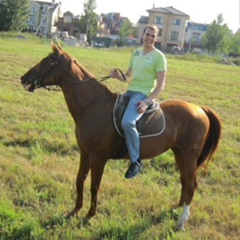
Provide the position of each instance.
(86, 96)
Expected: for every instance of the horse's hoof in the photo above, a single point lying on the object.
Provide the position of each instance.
(180, 227)
(70, 215)
(86, 222)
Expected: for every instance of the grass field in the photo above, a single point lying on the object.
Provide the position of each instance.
(39, 157)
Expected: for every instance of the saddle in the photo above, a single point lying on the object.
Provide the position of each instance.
(152, 123)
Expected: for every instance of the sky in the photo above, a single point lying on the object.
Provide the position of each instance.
(203, 11)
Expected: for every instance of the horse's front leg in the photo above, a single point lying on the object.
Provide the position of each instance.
(97, 167)
(81, 176)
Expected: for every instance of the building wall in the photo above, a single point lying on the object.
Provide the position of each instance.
(41, 17)
(68, 23)
(195, 32)
(169, 28)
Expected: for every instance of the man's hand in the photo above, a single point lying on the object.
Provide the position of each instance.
(114, 73)
(142, 106)
(118, 74)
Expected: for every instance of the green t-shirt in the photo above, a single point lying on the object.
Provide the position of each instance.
(144, 70)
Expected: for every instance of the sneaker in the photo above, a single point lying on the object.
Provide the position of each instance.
(133, 169)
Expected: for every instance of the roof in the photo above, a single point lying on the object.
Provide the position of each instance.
(168, 10)
(197, 26)
(47, 3)
(68, 13)
(112, 15)
(143, 19)
(43, 3)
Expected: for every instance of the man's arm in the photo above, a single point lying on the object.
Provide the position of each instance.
(161, 79)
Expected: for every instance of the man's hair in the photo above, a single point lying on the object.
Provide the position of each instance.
(152, 27)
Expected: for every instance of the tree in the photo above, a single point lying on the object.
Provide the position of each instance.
(217, 38)
(14, 14)
(235, 44)
(90, 30)
(89, 19)
(126, 29)
(135, 31)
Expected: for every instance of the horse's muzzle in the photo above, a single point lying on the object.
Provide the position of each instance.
(28, 86)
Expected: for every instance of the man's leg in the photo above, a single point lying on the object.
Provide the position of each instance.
(130, 118)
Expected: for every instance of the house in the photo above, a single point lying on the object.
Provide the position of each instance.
(41, 16)
(171, 23)
(112, 22)
(194, 34)
(69, 23)
(108, 25)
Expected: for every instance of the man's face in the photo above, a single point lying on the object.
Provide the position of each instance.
(149, 38)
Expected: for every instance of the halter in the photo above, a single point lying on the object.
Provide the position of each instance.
(39, 78)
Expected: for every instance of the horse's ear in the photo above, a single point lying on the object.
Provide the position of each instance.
(55, 48)
(59, 46)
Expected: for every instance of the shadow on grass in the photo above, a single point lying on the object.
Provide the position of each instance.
(54, 222)
(63, 221)
(59, 149)
(167, 218)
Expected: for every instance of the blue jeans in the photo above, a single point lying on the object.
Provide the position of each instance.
(129, 120)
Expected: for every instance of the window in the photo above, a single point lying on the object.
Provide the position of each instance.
(44, 21)
(32, 20)
(158, 20)
(196, 37)
(177, 22)
(67, 19)
(44, 9)
(160, 32)
(174, 36)
(33, 10)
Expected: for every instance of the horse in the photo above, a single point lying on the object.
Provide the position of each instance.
(191, 132)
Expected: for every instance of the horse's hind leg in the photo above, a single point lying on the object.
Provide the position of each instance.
(180, 163)
(81, 176)
(189, 183)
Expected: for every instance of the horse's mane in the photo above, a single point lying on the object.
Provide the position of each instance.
(86, 74)
(83, 69)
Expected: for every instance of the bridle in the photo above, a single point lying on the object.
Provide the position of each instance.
(38, 82)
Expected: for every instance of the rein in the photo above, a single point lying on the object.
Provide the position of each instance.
(107, 77)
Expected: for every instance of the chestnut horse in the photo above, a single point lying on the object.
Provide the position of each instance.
(191, 132)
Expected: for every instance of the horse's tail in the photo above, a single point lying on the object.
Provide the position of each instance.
(213, 137)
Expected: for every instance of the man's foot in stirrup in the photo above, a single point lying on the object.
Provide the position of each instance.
(133, 169)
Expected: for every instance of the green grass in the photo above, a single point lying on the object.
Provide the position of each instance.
(39, 157)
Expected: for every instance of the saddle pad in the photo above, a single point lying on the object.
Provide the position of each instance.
(152, 123)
